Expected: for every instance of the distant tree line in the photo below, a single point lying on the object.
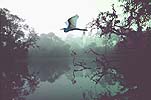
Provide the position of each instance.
(51, 58)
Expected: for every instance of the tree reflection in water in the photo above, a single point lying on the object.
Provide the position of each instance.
(17, 83)
(51, 59)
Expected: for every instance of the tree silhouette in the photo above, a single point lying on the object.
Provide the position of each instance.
(14, 43)
(15, 39)
(133, 51)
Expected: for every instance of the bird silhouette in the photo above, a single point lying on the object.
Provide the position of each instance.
(71, 24)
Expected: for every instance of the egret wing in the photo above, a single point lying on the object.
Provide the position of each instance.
(72, 21)
(67, 23)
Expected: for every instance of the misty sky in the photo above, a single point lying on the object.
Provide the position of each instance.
(50, 15)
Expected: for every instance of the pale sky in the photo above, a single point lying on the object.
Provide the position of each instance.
(50, 15)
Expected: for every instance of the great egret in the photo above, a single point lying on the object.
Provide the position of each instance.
(71, 24)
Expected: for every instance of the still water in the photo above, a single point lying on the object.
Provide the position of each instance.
(63, 89)
(55, 82)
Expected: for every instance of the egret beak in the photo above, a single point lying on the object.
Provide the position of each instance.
(62, 29)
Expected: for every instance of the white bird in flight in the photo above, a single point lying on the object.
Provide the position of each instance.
(71, 24)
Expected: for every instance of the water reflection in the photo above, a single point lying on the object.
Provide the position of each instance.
(49, 69)
(48, 75)
(16, 82)
(51, 59)
(56, 82)
(62, 88)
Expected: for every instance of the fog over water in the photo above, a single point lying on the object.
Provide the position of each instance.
(54, 64)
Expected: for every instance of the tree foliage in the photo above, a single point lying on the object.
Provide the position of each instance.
(136, 16)
(15, 39)
(15, 36)
(132, 53)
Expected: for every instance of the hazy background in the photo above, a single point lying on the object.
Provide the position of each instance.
(52, 60)
(50, 15)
